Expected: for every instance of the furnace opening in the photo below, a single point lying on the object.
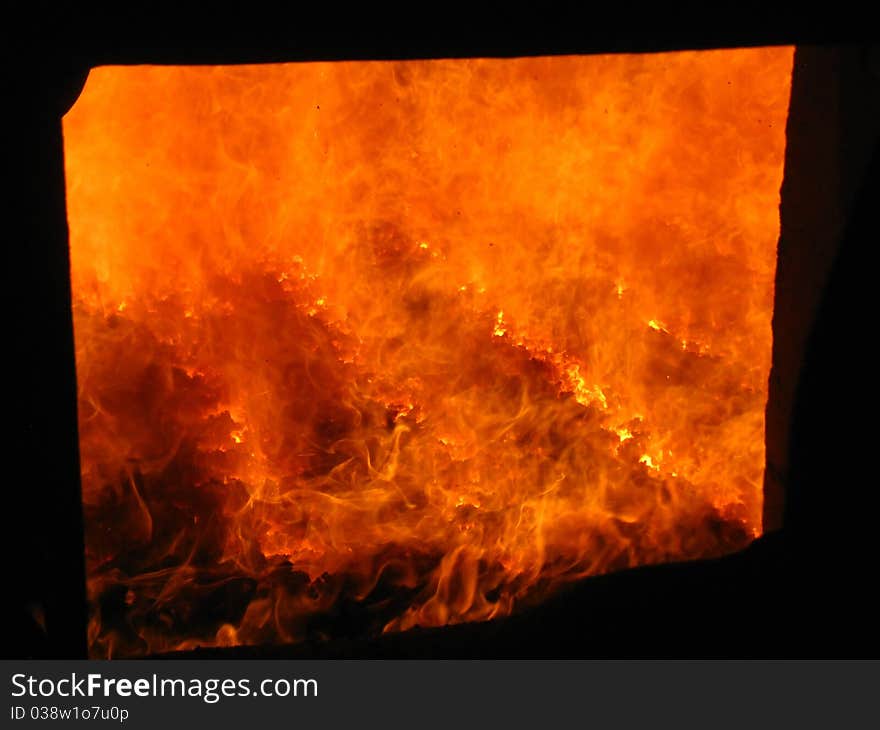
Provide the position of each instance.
(363, 346)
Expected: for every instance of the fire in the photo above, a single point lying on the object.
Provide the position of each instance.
(370, 345)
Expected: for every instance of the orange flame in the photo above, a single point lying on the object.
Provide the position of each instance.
(364, 346)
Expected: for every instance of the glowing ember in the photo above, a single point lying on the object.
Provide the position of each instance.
(363, 346)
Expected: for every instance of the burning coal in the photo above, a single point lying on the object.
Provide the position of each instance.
(364, 346)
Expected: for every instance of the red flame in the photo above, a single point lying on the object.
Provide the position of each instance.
(363, 346)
